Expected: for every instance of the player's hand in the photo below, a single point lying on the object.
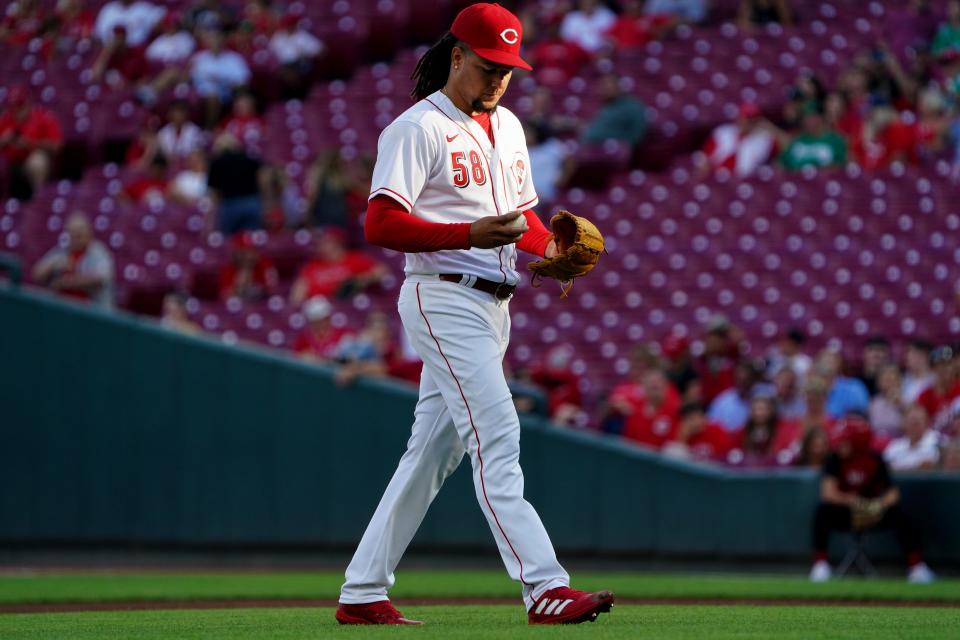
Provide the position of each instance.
(496, 231)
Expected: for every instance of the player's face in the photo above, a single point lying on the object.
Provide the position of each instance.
(479, 82)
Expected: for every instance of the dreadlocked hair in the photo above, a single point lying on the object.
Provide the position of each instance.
(433, 67)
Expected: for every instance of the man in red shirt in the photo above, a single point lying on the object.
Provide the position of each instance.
(937, 397)
(336, 270)
(721, 351)
(30, 137)
(697, 438)
(320, 339)
(249, 275)
(653, 420)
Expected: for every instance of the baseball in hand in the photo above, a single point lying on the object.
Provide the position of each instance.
(520, 224)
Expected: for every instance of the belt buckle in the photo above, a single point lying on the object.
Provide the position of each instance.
(496, 292)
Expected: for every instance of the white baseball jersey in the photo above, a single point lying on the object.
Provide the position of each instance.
(439, 164)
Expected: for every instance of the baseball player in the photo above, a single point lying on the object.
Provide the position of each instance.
(452, 189)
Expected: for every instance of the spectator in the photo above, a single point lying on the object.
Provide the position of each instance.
(319, 341)
(329, 190)
(887, 406)
(807, 94)
(556, 59)
(884, 139)
(550, 162)
(815, 146)
(721, 350)
(936, 399)
(244, 123)
(815, 398)
(680, 10)
(652, 421)
(175, 316)
(83, 269)
(167, 56)
(234, 183)
(209, 15)
(627, 395)
(544, 116)
(622, 117)
(789, 353)
(634, 28)
(30, 139)
(918, 375)
(845, 394)
(145, 147)
(679, 366)
(731, 407)
(876, 355)
(947, 39)
(366, 353)
(217, 73)
(562, 386)
(335, 270)
(918, 448)
(296, 50)
(587, 24)
(151, 186)
(852, 475)
(845, 121)
(189, 185)
(788, 394)
(137, 19)
(279, 197)
(762, 12)
(766, 437)
(73, 23)
(740, 147)
(179, 137)
(814, 449)
(697, 438)
(249, 275)
(22, 21)
(119, 65)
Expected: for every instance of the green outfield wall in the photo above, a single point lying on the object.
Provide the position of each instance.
(113, 430)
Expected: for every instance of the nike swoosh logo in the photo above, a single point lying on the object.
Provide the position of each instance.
(453, 137)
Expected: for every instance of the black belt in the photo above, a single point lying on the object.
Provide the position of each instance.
(498, 290)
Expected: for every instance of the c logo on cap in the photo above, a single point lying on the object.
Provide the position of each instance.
(510, 36)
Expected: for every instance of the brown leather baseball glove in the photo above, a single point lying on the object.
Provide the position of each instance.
(579, 245)
(866, 513)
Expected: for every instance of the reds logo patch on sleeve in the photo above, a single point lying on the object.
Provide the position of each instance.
(519, 169)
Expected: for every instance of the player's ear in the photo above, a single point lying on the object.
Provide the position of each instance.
(457, 57)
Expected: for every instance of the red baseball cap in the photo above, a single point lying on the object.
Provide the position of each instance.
(492, 32)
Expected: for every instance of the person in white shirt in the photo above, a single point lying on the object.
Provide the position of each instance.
(296, 50)
(918, 374)
(190, 184)
(170, 50)
(179, 137)
(742, 146)
(138, 18)
(919, 448)
(216, 72)
(587, 25)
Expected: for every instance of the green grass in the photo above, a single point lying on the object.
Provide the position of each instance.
(454, 623)
(105, 587)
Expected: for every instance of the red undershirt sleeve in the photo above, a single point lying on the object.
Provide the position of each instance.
(537, 239)
(389, 225)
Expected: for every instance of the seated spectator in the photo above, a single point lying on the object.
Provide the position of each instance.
(545, 118)
(562, 386)
(587, 24)
(167, 56)
(296, 49)
(815, 399)
(550, 161)
(175, 316)
(244, 123)
(625, 396)
(918, 375)
(261, 15)
(937, 398)
(83, 269)
(366, 353)
(731, 407)
(845, 394)
(885, 139)
(766, 437)
(22, 20)
(652, 419)
(151, 185)
(145, 147)
(179, 137)
(119, 65)
(807, 94)
(761, 12)
(918, 448)
(234, 183)
(887, 406)
(679, 10)
(932, 131)
(789, 397)
(622, 117)
(137, 18)
(30, 139)
(335, 270)
(216, 73)
(207, 15)
(740, 147)
(845, 121)
(634, 28)
(189, 185)
(789, 353)
(721, 351)
(947, 38)
(280, 199)
(679, 366)
(555, 59)
(697, 438)
(814, 146)
(334, 192)
(319, 341)
(249, 275)
(876, 355)
(814, 449)
(73, 22)
(856, 477)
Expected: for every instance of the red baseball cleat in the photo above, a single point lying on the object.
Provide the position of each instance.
(380, 612)
(564, 605)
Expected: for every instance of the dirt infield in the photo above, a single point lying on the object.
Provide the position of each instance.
(72, 607)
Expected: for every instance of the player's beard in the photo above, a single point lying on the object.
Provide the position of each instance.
(477, 106)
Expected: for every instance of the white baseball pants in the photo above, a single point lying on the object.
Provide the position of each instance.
(464, 406)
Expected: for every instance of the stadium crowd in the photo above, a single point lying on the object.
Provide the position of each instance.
(201, 144)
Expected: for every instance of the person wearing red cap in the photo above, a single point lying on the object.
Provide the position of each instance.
(452, 189)
(30, 137)
(855, 476)
(335, 271)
